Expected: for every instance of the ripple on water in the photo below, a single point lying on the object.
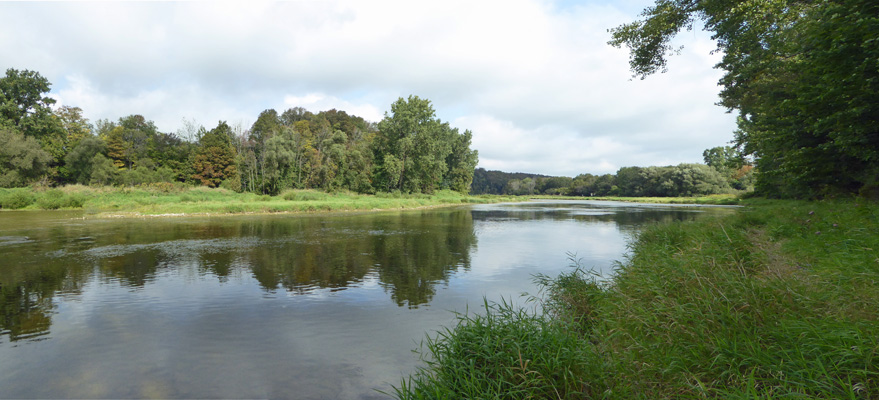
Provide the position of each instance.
(13, 240)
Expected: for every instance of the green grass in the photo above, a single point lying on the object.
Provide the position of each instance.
(780, 300)
(168, 199)
(507, 352)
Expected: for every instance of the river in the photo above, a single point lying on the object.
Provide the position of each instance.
(325, 306)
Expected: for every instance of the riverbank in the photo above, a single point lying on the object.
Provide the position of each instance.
(714, 199)
(780, 299)
(177, 200)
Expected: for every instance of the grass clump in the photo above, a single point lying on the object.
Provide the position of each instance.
(508, 352)
(780, 300)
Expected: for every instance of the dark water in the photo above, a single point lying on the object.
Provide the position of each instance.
(306, 307)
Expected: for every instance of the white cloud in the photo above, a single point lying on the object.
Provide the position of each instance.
(534, 79)
(322, 102)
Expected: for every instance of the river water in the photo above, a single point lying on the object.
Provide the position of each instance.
(272, 306)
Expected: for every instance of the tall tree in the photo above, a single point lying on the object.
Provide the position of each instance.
(22, 160)
(80, 161)
(214, 159)
(461, 162)
(23, 106)
(804, 76)
(412, 146)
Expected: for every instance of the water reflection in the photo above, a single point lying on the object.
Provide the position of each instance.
(409, 253)
(268, 306)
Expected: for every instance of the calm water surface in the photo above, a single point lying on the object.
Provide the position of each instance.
(306, 307)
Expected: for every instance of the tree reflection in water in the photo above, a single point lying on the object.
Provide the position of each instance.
(409, 253)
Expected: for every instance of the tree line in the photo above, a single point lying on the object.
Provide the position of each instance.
(409, 151)
(725, 171)
(803, 76)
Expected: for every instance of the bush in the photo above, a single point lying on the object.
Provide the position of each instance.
(304, 195)
(55, 199)
(16, 198)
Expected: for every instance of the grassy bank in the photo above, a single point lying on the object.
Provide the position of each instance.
(780, 300)
(178, 199)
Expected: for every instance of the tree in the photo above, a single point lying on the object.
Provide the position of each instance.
(80, 160)
(23, 106)
(280, 162)
(412, 150)
(461, 162)
(214, 159)
(803, 75)
(103, 172)
(22, 160)
(632, 182)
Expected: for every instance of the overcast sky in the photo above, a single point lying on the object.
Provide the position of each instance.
(534, 80)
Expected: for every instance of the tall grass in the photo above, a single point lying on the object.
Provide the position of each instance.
(780, 300)
(507, 352)
(164, 198)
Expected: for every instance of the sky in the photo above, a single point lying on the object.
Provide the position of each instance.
(534, 80)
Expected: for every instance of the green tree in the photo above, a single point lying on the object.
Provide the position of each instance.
(280, 162)
(461, 162)
(803, 75)
(214, 159)
(723, 158)
(23, 106)
(632, 182)
(103, 171)
(80, 161)
(412, 149)
(22, 160)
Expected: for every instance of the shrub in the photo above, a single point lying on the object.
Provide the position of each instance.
(55, 199)
(304, 195)
(16, 198)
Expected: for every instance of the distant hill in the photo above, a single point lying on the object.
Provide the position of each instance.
(493, 182)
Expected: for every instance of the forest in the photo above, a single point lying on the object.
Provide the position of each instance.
(409, 151)
(725, 171)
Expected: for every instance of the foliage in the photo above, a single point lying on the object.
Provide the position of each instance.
(494, 182)
(79, 161)
(214, 159)
(103, 171)
(13, 199)
(24, 108)
(803, 75)
(413, 150)
(22, 160)
(330, 150)
(55, 199)
(683, 180)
